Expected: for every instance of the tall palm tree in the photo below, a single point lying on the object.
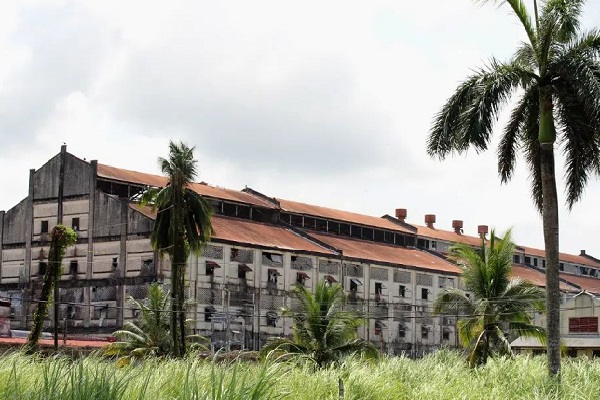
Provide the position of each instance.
(499, 307)
(183, 224)
(323, 331)
(557, 74)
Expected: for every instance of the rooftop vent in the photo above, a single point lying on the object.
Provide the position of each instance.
(430, 220)
(457, 225)
(482, 230)
(401, 213)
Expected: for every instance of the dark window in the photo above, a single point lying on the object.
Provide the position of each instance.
(595, 353)
(535, 262)
(75, 223)
(516, 259)
(70, 312)
(424, 293)
(208, 313)
(272, 276)
(210, 269)
(527, 260)
(445, 334)
(378, 328)
(402, 291)
(401, 332)
(44, 227)
(378, 292)
(43, 267)
(433, 244)
(73, 267)
(561, 266)
(544, 263)
(424, 332)
(301, 278)
(148, 264)
(115, 262)
(584, 270)
(572, 352)
(271, 318)
(353, 285)
(421, 243)
(241, 273)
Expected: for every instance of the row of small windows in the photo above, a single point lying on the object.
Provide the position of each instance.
(75, 224)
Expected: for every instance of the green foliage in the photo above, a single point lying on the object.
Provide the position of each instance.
(559, 64)
(149, 335)
(183, 224)
(499, 308)
(443, 375)
(323, 332)
(61, 238)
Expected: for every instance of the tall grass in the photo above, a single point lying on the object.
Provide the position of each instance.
(440, 376)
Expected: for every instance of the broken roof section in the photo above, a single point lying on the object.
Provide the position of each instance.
(389, 254)
(339, 215)
(144, 179)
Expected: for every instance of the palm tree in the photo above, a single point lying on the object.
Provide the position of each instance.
(183, 224)
(323, 332)
(499, 307)
(557, 73)
(150, 333)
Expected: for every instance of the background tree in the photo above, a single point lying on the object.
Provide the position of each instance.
(61, 238)
(557, 73)
(499, 308)
(323, 331)
(183, 224)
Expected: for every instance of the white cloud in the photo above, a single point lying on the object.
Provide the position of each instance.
(322, 102)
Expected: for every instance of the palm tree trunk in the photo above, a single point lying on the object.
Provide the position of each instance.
(174, 306)
(550, 222)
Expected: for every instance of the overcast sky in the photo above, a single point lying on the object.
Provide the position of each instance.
(326, 102)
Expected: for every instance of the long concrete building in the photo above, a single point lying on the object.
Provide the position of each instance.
(391, 270)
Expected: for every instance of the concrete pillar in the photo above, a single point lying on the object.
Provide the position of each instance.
(89, 271)
(122, 270)
(1, 241)
(28, 228)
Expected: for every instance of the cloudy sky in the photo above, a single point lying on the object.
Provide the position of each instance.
(324, 102)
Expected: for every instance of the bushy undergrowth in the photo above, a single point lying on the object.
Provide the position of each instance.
(440, 376)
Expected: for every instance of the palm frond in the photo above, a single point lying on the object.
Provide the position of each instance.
(520, 11)
(564, 15)
(531, 149)
(468, 116)
(514, 130)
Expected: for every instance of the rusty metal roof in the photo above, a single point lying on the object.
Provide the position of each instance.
(591, 285)
(228, 194)
(448, 236)
(142, 178)
(362, 249)
(339, 215)
(570, 258)
(260, 234)
(536, 277)
(125, 175)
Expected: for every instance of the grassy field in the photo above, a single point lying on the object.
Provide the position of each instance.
(441, 376)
